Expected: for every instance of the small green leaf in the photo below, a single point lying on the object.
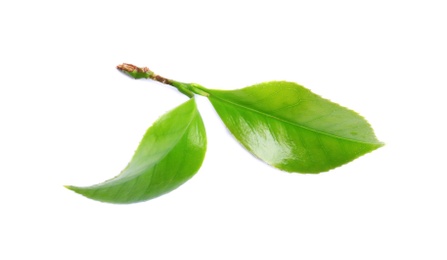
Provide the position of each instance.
(293, 129)
(171, 152)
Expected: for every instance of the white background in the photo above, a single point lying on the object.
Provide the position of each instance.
(68, 117)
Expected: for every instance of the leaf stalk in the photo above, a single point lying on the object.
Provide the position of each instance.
(188, 89)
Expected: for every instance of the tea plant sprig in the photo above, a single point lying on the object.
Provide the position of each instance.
(281, 123)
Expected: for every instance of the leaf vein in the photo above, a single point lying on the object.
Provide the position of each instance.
(288, 122)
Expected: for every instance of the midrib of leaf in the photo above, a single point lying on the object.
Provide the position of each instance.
(133, 176)
(292, 123)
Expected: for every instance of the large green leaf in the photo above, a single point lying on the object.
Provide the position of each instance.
(171, 152)
(293, 129)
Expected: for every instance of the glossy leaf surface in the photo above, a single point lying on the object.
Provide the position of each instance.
(171, 152)
(293, 129)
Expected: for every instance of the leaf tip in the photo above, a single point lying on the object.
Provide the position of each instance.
(72, 188)
(69, 187)
(379, 145)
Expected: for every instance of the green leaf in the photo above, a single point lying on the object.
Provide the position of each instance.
(293, 129)
(171, 152)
